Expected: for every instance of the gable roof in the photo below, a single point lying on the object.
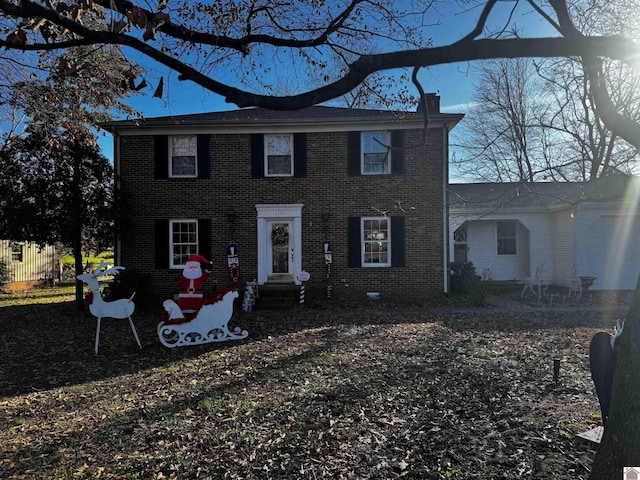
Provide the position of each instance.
(538, 195)
(317, 115)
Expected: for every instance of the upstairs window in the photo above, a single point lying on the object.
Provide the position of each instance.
(183, 154)
(375, 242)
(507, 237)
(375, 153)
(278, 155)
(183, 241)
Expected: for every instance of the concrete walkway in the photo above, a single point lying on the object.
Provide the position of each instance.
(509, 304)
(506, 303)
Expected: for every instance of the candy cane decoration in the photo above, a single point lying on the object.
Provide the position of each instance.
(303, 276)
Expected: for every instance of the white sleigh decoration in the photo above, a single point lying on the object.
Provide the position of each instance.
(99, 308)
(210, 323)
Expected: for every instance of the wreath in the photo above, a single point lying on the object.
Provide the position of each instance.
(280, 235)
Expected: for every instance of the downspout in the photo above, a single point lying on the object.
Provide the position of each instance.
(116, 171)
(445, 207)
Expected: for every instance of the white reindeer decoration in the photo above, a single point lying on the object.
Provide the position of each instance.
(122, 308)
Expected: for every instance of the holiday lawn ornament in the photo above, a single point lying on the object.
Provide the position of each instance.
(250, 294)
(233, 265)
(196, 271)
(210, 323)
(100, 309)
(303, 276)
(328, 261)
(602, 362)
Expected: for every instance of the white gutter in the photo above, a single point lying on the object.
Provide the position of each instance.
(116, 170)
(445, 208)
(127, 128)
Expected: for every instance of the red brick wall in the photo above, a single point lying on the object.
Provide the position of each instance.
(327, 187)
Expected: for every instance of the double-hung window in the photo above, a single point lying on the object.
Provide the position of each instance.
(183, 154)
(183, 241)
(375, 153)
(278, 153)
(376, 236)
(507, 237)
(17, 253)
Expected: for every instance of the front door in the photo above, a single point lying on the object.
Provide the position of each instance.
(280, 251)
(279, 242)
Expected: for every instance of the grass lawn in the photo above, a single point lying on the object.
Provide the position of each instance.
(366, 392)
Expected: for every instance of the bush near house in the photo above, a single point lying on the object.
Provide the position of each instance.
(463, 277)
(127, 284)
(5, 275)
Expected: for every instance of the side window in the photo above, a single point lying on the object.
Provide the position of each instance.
(507, 237)
(376, 242)
(17, 253)
(183, 152)
(278, 155)
(183, 241)
(375, 153)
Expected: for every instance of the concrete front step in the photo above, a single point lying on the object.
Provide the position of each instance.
(277, 296)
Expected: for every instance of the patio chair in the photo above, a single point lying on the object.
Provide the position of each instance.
(575, 285)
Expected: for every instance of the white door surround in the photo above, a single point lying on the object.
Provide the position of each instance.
(268, 213)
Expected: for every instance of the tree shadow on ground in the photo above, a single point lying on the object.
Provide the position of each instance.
(347, 391)
(51, 345)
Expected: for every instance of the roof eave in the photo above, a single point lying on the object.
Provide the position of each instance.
(136, 127)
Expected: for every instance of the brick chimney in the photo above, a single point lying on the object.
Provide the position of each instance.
(433, 103)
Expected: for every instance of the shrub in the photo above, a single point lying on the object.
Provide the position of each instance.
(463, 277)
(125, 284)
(5, 274)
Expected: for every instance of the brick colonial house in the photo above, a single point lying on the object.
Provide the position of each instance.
(281, 184)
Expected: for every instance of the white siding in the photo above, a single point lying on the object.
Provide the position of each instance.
(541, 232)
(563, 247)
(535, 245)
(600, 239)
(483, 251)
(608, 247)
(36, 264)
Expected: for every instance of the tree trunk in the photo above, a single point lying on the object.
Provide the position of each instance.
(620, 446)
(76, 221)
(77, 256)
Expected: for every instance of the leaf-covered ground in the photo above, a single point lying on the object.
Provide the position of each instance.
(366, 392)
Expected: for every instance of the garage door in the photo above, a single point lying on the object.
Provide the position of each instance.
(613, 253)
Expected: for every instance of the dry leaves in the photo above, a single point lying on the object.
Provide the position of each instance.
(337, 393)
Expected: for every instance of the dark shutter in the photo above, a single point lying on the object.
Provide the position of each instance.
(257, 155)
(204, 156)
(355, 245)
(397, 241)
(161, 157)
(204, 238)
(353, 153)
(397, 152)
(162, 243)
(300, 155)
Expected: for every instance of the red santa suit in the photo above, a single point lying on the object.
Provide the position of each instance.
(190, 296)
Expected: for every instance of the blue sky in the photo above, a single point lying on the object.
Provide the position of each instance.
(454, 83)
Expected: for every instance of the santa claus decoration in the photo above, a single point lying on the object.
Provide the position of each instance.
(196, 271)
